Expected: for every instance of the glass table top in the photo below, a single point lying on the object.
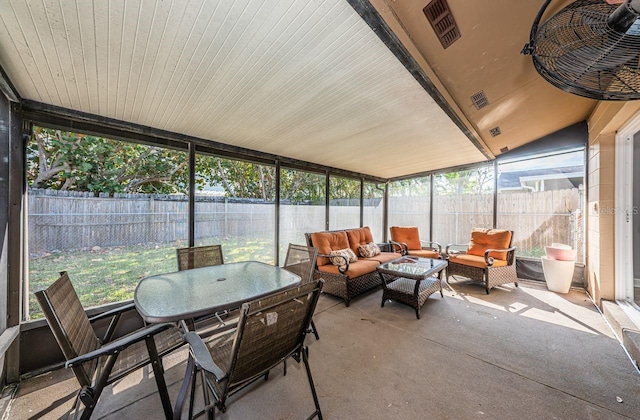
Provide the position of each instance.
(191, 293)
(413, 267)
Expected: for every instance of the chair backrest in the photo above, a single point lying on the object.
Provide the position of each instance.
(409, 235)
(483, 239)
(270, 330)
(199, 256)
(300, 260)
(70, 325)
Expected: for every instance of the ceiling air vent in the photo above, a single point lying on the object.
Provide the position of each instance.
(495, 132)
(504, 149)
(442, 21)
(479, 100)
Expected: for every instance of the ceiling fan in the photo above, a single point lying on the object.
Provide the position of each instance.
(590, 48)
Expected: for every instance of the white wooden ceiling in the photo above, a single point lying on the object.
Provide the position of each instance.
(303, 79)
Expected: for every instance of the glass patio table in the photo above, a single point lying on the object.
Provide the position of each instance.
(411, 280)
(189, 294)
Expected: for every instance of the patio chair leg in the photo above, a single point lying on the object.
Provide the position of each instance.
(158, 372)
(188, 375)
(315, 331)
(86, 398)
(194, 379)
(305, 359)
(205, 392)
(90, 396)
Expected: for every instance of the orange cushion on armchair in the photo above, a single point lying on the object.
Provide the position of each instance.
(406, 234)
(483, 239)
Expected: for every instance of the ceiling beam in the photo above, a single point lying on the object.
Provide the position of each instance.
(7, 87)
(370, 15)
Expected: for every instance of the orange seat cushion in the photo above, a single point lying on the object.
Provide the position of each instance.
(475, 260)
(359, 236)
(383, 257)
(406, 234)
(356, 269)
(483, 239)
(424, 253)
(327, 242)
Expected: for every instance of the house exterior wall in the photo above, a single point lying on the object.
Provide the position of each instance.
(606, 119)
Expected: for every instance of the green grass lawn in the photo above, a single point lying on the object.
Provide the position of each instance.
(109, 275)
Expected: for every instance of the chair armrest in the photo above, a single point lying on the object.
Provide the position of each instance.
(401, 246)
(120, 344)
(203, 356)
(340, 267)
(114, 314)
(432, 245)
(446, 251)
(115, 311)
(385, 247)
(489, 260)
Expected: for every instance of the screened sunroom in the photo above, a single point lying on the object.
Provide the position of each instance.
(133, 130)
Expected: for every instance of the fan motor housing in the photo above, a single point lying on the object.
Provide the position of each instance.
(579, 51)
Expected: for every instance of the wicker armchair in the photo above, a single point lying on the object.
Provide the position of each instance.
(270, 331)
(408, 238)
(199, 256)
(489, 258)
(97, 362)
(300, 260)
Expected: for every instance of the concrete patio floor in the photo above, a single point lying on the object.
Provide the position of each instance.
(523, 353)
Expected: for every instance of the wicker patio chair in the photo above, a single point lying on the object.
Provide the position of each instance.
(488, 258)
(199, 256)
(408, 237)
(270, 330)
(97, 362)
(300, 260)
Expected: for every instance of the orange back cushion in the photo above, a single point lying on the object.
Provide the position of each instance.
(327, 242)
(406, 234)
(483, 239)
(359, 236)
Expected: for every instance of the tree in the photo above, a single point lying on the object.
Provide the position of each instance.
(472, 181)
(77, 162)
(411, 187)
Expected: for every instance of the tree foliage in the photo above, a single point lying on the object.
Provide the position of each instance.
(473, 181)
(70, 161)
(76, 162)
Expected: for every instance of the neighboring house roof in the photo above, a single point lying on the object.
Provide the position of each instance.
(514, 180)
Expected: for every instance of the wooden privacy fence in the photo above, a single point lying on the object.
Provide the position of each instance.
(537, 218)
(62, 220)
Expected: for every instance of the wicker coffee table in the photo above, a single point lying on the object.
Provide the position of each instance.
(411, 280)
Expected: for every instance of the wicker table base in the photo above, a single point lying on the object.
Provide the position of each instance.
(402, 290)
(411, 280)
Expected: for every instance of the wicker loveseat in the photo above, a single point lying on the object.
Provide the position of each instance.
(348, 279)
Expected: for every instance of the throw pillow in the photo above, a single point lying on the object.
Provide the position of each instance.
(347, 253)
(369, 250)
